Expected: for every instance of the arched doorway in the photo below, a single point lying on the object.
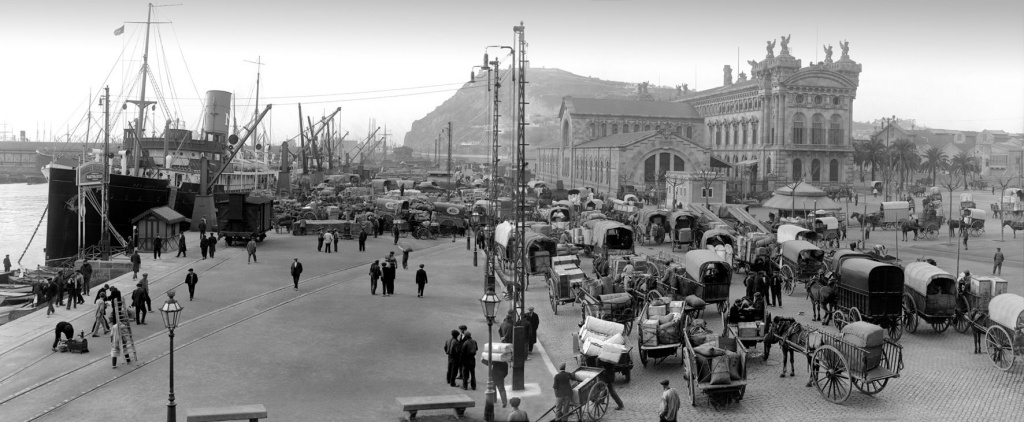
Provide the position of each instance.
(815, 170)
(798, 169)
(833, 171)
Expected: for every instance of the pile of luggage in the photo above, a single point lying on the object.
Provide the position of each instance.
(602, 339)
(662, 323)
(502, 352)
(869, 337)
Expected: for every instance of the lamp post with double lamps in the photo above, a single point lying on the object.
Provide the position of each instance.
(490, 303)
(170, 312)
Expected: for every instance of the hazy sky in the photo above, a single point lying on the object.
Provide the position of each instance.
(949, 64)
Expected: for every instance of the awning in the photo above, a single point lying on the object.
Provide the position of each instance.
(747, 163)
(719, 163)
(785, 202)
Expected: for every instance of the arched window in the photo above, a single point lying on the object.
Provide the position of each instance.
(565, 134)
(835, 130)
(678, 164)
(592, 130)
(744, 134)
(815, 170)
(647, 128)
(833, 171)
(736, 134)
(636, 127)
(625, 128)
(798, 169)
(718, 135)
(604, 129)
(798, 129)
(768, 164)
(818, 130)
(727, 132)
(615, 128)
(689, 132)
(753, 133)
(679, 131)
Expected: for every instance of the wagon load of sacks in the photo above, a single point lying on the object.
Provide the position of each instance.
(661, 324)
(869, 337)
(602, 339)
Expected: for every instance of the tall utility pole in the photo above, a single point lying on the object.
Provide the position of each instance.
(141, 102)
(302, 143)
(449, 188)
(104, 232)
(519, 333)
(888, 154)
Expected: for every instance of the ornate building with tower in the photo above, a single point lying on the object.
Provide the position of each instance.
(785, 122)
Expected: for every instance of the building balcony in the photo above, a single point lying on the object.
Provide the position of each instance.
(815, 147)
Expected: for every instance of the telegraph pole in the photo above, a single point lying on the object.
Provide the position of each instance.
(449, 187)
(104, 232)
(519, 299)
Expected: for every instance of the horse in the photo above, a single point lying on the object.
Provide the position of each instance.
(953, 225)
(822, 297)
(910, 226)
(1014, 225)
(869, 220)
(783, 329)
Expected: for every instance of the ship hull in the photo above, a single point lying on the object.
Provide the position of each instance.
(129, 197)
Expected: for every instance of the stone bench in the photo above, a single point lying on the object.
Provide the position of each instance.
(459, 402)
(249, 412)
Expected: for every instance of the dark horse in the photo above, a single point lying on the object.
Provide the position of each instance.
(869, 220)
(822, 297)
(955, 224)
(1014, 225)
(788, 332)
(910, 226)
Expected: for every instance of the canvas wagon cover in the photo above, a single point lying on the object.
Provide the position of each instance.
(601, 228)
(716, 232)
(869, 276)
(696, 259)
(895, 211)
(1007, 310)
(918, 275)
(502, 233)
(977, 214)
(830, 223)
(646, 215)
(791, 250)
(789, 232)
(541, 241)
(844, 254)
(687, 216)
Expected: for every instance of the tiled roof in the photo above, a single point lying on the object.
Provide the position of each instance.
(167, 214)
(631, 108)
(737, 86)
(623, 139)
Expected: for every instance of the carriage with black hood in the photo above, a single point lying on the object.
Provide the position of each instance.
(870, 291)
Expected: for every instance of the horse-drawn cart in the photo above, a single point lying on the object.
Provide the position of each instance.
(929, 294)
(723, 379)
(894, 214)
(650, 226)
(661, 332)
(799, 260)
(708, 277)
(828, 231)
(977, 221)
(975, 298)
(870, 291)
(1004, 339)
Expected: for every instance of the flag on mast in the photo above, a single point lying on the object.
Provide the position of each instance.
(119, 31)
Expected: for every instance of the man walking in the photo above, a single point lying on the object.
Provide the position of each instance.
(563, 394)
(775, 287)
(328, 239)
(203, 246)
(453, 349)
(136, 263)
(669, 403)
(469, 349)
(499, 370)
(158, 245)
(362, 240)
(202, 227)
(86, 276)
(966, 233)
(534, 321)
(302, 226)
(405, 256)
(251, 249)
(296, 271)
(388, 277)
(395, 231)
(211, 242)
(51, 296)
(145, 286)
(139, 298)
(421, 280)
(181, 246)
(374, 275)
(320, 240)
(608, 376)
(998, 262)
(7, 263)
(191, 279)
(337, 237)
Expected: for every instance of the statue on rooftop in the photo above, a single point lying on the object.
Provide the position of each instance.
(771, 49)
(845, 45)
(828, 53)
(785, 46)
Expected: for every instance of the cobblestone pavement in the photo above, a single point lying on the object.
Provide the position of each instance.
(942, 379)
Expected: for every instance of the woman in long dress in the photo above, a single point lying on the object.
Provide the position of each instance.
(101, 319)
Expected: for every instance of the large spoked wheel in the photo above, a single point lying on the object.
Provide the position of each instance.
(422, 233)
(597, 402)
(961, 323)
(691, 376)
(551, 294)
(871, 387)
(909, 314)
(447, 228)
(895, 329)
(831, 375)
(931, 232)
(640, 348)
(1000, 348)
(788, 280)
(855, 315)
(940, 326)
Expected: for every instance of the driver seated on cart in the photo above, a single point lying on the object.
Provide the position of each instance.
(964, 283)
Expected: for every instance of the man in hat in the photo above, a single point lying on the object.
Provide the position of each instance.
(181, 246)
(362, 240)
(563, 393)
(158, 245)
(191, 279)
(469, 349)
(534, 321)
(145, 286)
(136, 263)
(337, 237)
(202, 227)
(86, 270)
(204, 246)
(669, 403)
(421, 280)
(139, 299)
(328, 239)
(251, 249)
(453, 349)
(997, 262)
(375, 274)
(296, 270)
(211, 242)
(7, 263)
(320, 240)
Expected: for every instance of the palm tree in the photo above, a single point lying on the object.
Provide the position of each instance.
(936, 159)
(963, 164)
(874, 151)
(905, 158)
(859, 157)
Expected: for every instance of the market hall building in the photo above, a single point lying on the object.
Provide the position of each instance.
(786, 122)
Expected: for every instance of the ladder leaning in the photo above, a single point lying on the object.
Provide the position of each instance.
(124, 321)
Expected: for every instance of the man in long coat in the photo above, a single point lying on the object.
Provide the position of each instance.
(136, 263)
(181, 246)
(191, 279)
(211, 242)
(421, 280)
(534, 321)
(203, 245)
(388, 278)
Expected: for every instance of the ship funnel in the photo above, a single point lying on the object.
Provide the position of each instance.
(216, 113)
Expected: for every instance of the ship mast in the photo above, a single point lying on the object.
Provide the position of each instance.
(141, 102)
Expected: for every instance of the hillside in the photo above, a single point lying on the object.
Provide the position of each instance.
(467, 109)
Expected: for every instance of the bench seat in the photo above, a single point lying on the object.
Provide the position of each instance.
(459, 402)
(249, 412)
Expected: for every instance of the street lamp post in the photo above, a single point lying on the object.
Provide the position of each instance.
(170, 312)
(490, 303)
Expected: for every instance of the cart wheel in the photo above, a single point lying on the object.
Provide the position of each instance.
(830, 373)
(931, 232)
(691, 376)
(942, 325)
(840, 319)
(1000, 349)
(871, 387)
(895, 329)
(855, 315)
(597, 403)
(722, 307)
(977, 231)
(909, 314)
(643, 353)
(404, 234)
(628, 327)
(788, 280)
(422, 233)
(961, 324)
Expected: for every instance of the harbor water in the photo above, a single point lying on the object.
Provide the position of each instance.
(21, 206)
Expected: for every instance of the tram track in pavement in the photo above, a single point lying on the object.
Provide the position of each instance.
(140, 364)
(152, 282)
